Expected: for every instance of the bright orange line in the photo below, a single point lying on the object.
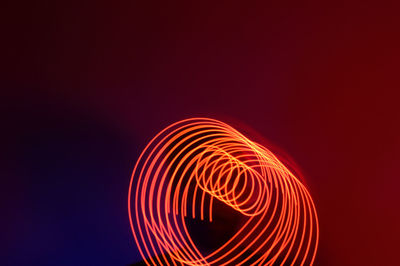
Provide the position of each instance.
(196, 161)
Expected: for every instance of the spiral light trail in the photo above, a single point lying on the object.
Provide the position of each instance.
(192, 164)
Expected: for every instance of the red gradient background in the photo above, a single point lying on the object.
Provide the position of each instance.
(86, 85)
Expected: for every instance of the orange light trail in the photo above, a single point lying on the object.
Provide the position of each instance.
(195, 162)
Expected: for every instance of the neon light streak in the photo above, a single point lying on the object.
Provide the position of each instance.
(195, 162)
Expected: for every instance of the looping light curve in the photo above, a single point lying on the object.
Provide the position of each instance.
(196, 163)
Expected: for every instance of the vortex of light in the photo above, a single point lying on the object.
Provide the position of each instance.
(192, 164)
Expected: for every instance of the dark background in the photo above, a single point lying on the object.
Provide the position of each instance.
(85, 85)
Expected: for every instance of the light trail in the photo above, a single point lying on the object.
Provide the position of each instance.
(194, 162)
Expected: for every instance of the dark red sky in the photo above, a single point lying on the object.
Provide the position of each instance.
(86, 85)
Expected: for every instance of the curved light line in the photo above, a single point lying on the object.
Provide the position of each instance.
(192, 163)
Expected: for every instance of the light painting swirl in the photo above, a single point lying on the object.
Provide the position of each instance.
(193, 164)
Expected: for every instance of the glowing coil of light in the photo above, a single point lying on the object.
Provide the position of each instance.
(195, 162)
